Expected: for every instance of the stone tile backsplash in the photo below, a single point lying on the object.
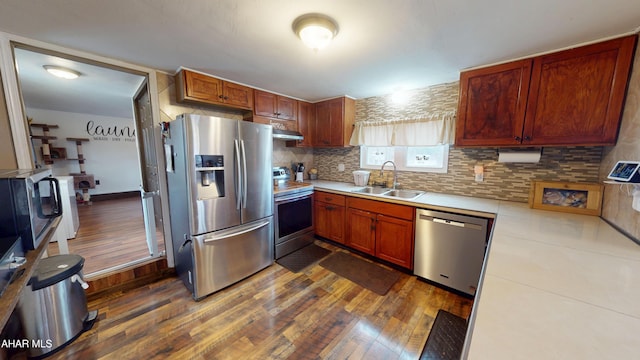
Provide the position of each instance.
(502, 181)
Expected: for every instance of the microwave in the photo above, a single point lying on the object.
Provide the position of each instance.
(29, 203)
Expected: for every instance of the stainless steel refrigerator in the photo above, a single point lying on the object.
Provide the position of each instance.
(220, 198)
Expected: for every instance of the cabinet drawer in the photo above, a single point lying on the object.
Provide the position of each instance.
(381, 207)
(329, 198)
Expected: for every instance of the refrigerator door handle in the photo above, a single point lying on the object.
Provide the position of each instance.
(232, 234)
(238, 179)
(244, 175)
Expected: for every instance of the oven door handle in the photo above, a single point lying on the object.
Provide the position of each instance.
(292, 197)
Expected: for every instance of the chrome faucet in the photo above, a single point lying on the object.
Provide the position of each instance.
(395, 173)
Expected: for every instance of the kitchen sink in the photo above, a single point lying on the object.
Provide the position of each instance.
(371, 190)
(396, 193)
(404, 194)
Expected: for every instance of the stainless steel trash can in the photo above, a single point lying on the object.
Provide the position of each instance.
(53, 306)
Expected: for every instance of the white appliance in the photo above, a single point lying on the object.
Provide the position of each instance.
(70, 220)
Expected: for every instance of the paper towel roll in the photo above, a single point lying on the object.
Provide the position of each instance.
(519, 156)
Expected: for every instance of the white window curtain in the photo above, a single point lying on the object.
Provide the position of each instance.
(434, 129)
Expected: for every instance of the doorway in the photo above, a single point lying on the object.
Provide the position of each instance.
(89, 130)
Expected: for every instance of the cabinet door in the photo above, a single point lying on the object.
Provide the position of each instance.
(394, 240)
(330, 123)
(287, 108)
(361, 230)
(492, 104)
(321, 219)
(322, 133)
(336, 223)
(202, 87)
(577, 95)
(264, 103)
(336, 109)
(329, 221)
(237, 95)
(306, 122)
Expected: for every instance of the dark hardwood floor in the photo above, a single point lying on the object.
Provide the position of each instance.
(275, 314)
(111, 233)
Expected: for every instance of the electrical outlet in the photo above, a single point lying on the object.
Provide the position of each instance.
(97, 182)
(340, 167)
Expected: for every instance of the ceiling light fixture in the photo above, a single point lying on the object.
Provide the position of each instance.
(61, 72)
(315, 30)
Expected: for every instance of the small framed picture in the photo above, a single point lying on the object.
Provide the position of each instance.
(577, 198)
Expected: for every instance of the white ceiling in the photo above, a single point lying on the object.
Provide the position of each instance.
(382, 45)
(98, 90)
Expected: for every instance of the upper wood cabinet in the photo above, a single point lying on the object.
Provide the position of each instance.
(275, 106)
(492, 104)
(195, 87)
(306, 123)
(334, 122)
(571, 97)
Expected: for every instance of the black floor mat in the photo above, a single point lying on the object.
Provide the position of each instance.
(364, 273)
(446, 338)
(300, 259)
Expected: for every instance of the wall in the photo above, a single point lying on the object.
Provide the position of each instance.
(170, 108)
(8, 158)
(502, 181)
(617, 201)
(112, 159)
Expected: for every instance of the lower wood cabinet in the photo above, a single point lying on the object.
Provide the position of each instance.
(381, 229)
(394, 240)
(328, 213)
(377, 228)
(361, 231)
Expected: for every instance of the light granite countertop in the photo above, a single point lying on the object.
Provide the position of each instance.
(553, 286)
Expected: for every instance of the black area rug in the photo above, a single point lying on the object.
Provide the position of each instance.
(366, 274)
(446, 338)
(300, 259)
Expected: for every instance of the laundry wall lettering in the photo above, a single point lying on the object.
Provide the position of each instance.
(110, 133)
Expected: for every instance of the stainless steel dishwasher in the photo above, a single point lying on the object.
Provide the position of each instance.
(450, 248)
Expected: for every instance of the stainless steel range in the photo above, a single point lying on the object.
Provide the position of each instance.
(293, 210)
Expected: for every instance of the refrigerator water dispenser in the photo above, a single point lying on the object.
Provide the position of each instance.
(210, 171)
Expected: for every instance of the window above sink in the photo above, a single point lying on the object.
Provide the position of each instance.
(407, 158)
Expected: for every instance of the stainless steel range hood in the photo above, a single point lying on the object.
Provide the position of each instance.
(286, 134)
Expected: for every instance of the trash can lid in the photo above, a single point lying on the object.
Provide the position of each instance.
(56, 268)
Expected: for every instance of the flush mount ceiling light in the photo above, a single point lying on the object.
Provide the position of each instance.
(315, 30)
(61, 72)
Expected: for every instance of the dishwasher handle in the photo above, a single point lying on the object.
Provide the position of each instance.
(450, 222)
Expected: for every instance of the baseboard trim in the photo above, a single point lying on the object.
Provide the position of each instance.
(113, 196)
(129, 279)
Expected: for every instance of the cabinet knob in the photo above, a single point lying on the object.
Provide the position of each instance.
(226, 98)
(517, 138)
(527, 138)
(221, 97)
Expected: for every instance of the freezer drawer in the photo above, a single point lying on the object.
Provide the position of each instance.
(224, 257)
(450, 249)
